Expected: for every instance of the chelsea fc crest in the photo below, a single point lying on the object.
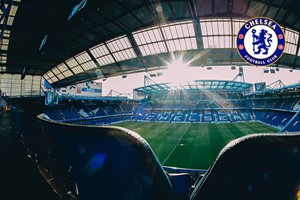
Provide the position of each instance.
(260, 41)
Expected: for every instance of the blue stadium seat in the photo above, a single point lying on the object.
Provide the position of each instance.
(260, 166)
(104, 163)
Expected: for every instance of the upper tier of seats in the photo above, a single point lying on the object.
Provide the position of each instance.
(274, 111)
(292, 103)
(77, 110)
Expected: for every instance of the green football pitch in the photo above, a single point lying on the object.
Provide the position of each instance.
(192, 145)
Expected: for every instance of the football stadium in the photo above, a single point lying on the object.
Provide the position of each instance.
(150, 100)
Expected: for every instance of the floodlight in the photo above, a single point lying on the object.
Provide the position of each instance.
(266, 71)
(159, 73)
(241, 69)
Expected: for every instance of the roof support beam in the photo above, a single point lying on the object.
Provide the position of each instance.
(196, 23)
(266, 9)
(136, 48)
(4, 17)
(113, 57)
(198, 33)
(230, 6)
(95, 61)
(117, 23)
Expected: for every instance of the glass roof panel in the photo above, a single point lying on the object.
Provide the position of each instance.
(50, 74)
(71, 62)
(55, 71)
(138, 39)
(215, 28)
(13, 10)
(3, 47)
(60, 76)
(217, 33)
(82, 58)
(227, 28)
(177, 45)
(185, 33)
(227, 41)
(182, 44)
(121, 48)
(188, 43)
(221, 27)
(67, 73)
(88, 65)
(205, 42)
(105, 60)
(54, 79)
(77, 70)
(180, 32)
(167, 33)
(8, 20)
(49, 81)
(153, 38)
(173, 30)
(99, 50)
(191, 29)
(203, 28)
(291, 38)
(209, 28)
(62, 67)
(146, 37)
(46, 76)
(236, 27)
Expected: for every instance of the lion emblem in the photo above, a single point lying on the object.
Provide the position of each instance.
(263, 40)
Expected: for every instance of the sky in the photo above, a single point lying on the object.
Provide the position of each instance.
(177, 73)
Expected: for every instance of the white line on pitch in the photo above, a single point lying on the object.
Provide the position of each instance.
(176, 144)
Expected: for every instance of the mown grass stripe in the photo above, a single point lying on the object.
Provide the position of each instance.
(176, 145)
(192, 145)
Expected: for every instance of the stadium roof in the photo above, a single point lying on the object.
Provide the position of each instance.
(82, 40)
(285, 89)
(211, 85)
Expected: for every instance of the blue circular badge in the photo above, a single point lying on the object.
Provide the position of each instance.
(260, 41)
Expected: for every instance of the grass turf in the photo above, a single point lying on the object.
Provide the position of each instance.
(192, 145)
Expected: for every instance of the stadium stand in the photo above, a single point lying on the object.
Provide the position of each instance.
(276, 109)
(201, 107)
(72, 47)
(275, 118)
(58, 166)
